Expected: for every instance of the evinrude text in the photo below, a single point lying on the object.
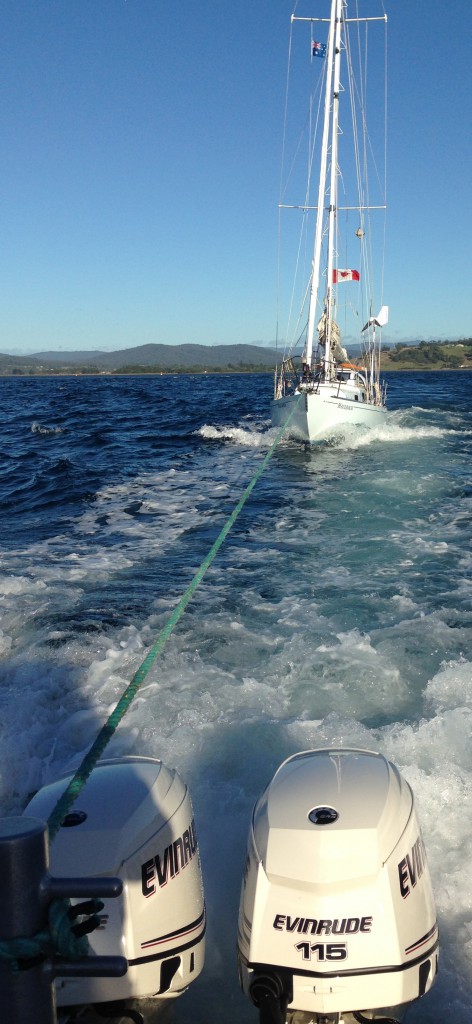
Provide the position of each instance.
(175, 858)
(323, 926)
(411, 867)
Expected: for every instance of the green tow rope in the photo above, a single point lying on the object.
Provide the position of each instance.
(106, 732)
(62, 938)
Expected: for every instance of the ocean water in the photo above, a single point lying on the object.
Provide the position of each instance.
(337, 612)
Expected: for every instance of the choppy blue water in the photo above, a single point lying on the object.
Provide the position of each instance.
(338, 611)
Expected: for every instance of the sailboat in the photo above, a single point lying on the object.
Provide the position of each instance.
(323, 391)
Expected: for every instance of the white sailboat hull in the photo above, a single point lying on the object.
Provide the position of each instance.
(314, 415)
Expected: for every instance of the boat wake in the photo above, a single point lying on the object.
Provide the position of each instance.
(252, 435)
(337, 614)
(398, 429)
(393, 434)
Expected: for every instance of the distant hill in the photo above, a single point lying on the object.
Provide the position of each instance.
(222, 358)
(163, 357)
(10, 361)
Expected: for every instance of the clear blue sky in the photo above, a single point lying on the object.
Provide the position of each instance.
(140, 163)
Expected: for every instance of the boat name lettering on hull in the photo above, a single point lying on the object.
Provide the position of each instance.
(341, 405)
(175, 858)
(323, 926)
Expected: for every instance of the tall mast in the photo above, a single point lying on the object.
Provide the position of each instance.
(330, 107)
(330, 306)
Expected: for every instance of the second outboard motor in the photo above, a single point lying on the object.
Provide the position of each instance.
(337, 916)
(134, 820)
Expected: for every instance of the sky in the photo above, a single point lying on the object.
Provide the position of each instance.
(140, 155)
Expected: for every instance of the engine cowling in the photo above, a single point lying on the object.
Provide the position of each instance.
(337, 912)
(134, 820)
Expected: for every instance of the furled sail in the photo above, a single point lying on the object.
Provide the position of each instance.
(337, 349)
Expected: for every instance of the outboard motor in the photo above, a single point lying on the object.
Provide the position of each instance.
(134, 820)
(337, 916)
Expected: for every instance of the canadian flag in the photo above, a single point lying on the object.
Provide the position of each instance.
(345, 275)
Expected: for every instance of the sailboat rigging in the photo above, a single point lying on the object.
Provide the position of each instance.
(325, 389)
